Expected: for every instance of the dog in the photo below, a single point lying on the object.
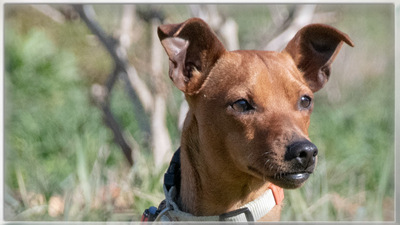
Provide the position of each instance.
(245, 136)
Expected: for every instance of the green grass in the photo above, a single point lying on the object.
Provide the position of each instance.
(355, 173)
(45, 129)
(56, 144)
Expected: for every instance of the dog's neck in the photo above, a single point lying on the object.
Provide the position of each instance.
(209, 186)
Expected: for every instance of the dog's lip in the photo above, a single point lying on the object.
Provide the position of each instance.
(290, 180)
(303, 175)
(298, 177)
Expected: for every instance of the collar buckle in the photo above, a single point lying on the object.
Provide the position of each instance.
(245, 210)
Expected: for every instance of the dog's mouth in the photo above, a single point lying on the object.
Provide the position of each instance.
(290, 180)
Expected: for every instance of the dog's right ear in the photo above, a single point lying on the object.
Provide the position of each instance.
(313, 49)
(192, 48)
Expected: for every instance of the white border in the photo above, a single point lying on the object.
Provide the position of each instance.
(397, 87)
(396, 2)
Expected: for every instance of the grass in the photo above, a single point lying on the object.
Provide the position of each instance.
(355, 173)
(61, 162)
(56, 150)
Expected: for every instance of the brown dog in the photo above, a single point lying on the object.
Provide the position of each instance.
(249, 113)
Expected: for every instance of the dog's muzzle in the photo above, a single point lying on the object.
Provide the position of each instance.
(301, 158)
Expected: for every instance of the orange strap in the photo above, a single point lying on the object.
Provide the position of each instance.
(278, 193)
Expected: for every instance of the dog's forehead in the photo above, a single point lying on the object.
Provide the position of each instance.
(256, 70)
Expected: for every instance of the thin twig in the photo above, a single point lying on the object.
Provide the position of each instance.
(100, 93)
(302, 16)
(138, 92)
(101, 97)
(118, 136)
(50, 12)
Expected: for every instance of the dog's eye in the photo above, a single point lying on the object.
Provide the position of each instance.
(305, 101)
(242, 105)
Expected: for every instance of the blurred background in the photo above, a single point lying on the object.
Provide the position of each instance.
(92, 119)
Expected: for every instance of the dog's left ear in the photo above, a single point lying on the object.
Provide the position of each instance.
(313, 49)
(192, 48)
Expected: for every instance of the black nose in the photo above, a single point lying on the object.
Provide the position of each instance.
(304, 152)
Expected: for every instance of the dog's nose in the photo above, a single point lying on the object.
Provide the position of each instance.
(304, 152)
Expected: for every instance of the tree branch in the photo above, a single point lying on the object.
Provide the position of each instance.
(50, 12)
(302, 16)
(161, 143)
(100, 95)
(137, 90)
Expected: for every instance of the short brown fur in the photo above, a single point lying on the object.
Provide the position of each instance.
(246, 110)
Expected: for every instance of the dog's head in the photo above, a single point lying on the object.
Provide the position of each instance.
(253, 107)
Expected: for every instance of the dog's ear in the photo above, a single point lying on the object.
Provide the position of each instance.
(192, 48)
(313, 49)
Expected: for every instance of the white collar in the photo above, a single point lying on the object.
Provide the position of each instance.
(252, 211)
